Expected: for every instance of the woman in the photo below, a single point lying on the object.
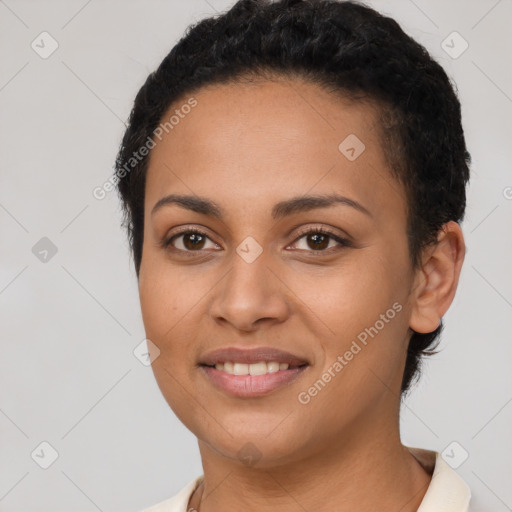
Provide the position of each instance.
(293, 178)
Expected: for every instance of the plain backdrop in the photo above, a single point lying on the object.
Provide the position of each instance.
(70, 318)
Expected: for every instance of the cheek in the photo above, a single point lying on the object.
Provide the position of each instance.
(349, 298)
(164, 312)
(156, 310)
(360, 311)
(170, 303)
(165, 298)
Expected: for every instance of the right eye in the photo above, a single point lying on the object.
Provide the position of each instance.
(192, 240)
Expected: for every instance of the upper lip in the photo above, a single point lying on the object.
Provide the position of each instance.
(251, 355)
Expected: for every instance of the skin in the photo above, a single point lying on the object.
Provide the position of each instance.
(247, 147)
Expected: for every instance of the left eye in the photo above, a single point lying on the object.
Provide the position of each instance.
(319, 239)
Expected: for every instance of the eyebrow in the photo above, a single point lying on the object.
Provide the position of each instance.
(280, 210)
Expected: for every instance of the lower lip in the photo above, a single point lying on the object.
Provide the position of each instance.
(249, 386)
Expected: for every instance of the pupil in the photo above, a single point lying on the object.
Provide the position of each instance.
(315, 238)
(194, 238)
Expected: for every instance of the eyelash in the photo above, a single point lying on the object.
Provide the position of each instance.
(167, 243)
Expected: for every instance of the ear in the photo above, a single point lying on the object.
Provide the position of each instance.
(436, 281)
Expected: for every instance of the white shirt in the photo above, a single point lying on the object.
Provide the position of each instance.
(447, 491)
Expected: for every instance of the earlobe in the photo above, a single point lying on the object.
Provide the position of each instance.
(437, 279)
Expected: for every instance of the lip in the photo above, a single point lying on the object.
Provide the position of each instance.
(251, 386)
(251, 355)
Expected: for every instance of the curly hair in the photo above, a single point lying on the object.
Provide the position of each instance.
(346, 48)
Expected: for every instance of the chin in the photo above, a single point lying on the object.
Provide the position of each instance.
(257, 452)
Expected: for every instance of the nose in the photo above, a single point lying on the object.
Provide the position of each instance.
(250, 294)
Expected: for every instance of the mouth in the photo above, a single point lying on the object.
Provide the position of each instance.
(247, 373)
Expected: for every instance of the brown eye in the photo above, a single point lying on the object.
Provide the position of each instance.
(318, 241)
(321, 240)
(191, 241)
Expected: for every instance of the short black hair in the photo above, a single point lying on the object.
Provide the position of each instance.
(347, 48)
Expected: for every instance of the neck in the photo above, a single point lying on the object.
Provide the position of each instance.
(367, 469)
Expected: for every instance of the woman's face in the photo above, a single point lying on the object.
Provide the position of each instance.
(253, 280)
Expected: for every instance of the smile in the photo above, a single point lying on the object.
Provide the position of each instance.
(260, 368)
(251, 372)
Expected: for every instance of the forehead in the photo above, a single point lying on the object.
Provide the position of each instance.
(268, 140)
(288, 115)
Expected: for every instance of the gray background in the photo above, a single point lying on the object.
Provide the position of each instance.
(69, 325)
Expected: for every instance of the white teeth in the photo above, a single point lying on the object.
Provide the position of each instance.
(260, 368)
(273, 367)
(241, 369)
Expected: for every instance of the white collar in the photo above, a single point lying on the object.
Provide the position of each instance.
(447, 491)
